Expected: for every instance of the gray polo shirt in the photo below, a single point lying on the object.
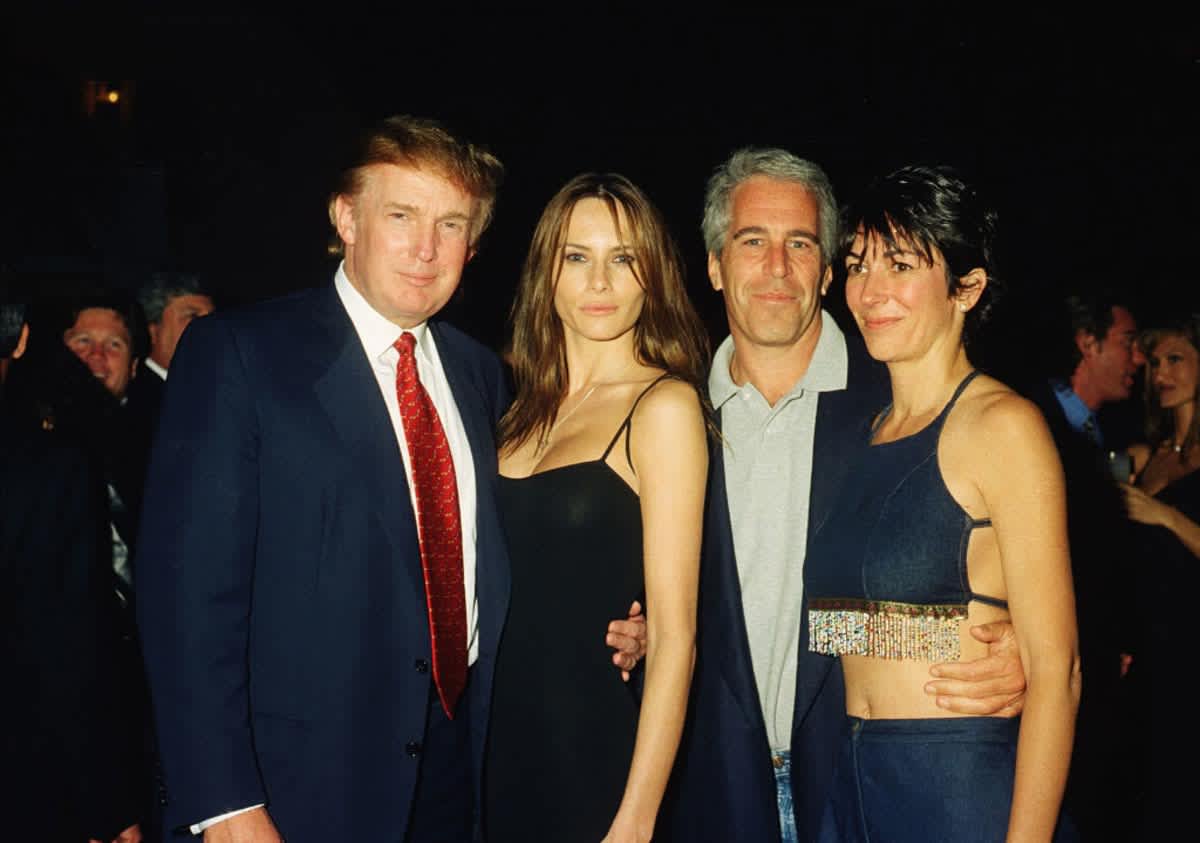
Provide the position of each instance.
(768, 475)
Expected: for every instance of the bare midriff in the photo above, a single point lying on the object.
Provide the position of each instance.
(894, 689)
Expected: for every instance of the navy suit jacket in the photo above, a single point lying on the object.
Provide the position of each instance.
(281, 599)
(724, 784)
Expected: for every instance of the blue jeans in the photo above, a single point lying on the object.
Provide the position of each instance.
(937, 779)
(782, 761)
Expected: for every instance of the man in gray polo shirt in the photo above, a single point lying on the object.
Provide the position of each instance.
(791, 391)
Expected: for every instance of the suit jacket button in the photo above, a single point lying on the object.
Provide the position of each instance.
(413, 748)
(421, 665)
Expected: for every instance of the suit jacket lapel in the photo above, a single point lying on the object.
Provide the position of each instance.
(349, 394)
(841, 423)
(723, 594)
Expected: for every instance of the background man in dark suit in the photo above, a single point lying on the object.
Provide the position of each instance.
(1096, 361)
(792, 391)
(69, 749)
(282, 584)
(169, 302)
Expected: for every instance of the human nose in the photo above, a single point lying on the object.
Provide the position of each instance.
(425, 244)
(872, 286)
(598, 278)
(777, 261)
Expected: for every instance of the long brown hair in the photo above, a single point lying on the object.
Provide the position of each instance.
(668, 333)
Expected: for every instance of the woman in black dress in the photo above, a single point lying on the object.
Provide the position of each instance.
(603, 462)
(1165, 497)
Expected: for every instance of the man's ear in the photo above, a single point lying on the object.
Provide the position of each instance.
(153, 329)
(714, 271)
(133, 367)
(343, 216)
(827, 280)
(1086, 343)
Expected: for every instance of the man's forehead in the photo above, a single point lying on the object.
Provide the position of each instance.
(195, 300)
(762, 200)
(100, 318)
(410, 179)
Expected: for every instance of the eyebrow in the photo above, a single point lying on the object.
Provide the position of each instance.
(623, 247)
(759, 229)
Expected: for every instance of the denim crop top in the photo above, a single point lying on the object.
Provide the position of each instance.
(886, 573)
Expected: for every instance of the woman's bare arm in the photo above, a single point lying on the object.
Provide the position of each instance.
(1021, 480)
(670, 456)
(1147, 509)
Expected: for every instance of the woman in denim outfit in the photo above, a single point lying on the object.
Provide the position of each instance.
(956, 517)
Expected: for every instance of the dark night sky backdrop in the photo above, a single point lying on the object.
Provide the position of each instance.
(1082, 127)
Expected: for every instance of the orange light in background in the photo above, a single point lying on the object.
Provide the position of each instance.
(113, 96)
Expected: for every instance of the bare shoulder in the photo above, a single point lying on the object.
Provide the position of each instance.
(992, 410)
(669, 396)
(994, 435)
(668, 416)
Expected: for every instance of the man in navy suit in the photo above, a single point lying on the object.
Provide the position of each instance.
(791, 391)
(283, 603)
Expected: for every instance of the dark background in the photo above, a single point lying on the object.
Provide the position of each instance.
(221, 149)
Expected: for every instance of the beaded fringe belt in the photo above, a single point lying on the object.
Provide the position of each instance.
(884, 629)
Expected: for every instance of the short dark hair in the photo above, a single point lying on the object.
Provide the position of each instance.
(1090, 313)
(123, 305)
(12, 317)
(927, 208)
(157, 293)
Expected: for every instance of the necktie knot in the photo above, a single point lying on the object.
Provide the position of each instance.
(405, 344)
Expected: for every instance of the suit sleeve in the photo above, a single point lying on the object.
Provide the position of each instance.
(195, 575)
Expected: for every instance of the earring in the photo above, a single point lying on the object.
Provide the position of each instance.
(962, 306)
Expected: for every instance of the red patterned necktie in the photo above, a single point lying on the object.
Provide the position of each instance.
(438, 527)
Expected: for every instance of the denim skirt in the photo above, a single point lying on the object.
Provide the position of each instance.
(934, 779)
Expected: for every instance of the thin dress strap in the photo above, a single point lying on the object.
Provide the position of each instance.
(625, 425)
(941, 417)
(963, 384)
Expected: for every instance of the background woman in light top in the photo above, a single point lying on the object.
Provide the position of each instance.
(955, 517)
(603, 462)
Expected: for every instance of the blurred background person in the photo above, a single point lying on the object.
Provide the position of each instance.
(69, 749)
(1164, 499)
(169, 302)
(1093, 360)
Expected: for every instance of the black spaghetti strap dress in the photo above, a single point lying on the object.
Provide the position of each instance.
(563, 723)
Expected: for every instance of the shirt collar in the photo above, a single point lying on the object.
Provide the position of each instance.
(828, 371)
(1077, 413)
(149, 363)
(376, 332)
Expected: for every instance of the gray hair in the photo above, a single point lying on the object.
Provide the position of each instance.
(778, 164)
(156, 294)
